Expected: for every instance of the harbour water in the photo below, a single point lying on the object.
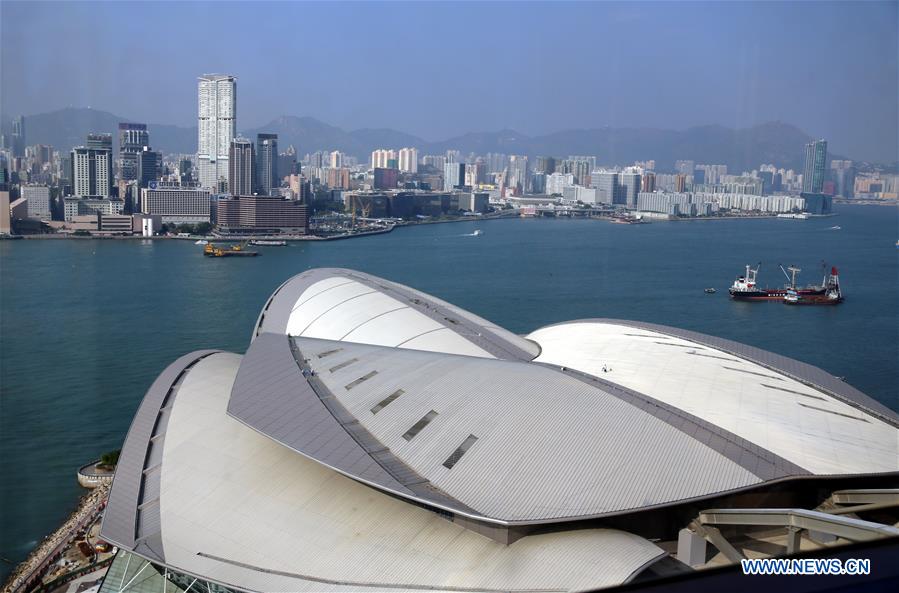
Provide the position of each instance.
(85, 326)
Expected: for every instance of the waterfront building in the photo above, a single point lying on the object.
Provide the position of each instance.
(78, 206)
(453, 175)
(38, 197)
(474, 202)
(216, 126)
(577, 193)
(363, 427)
(5, 215)
(176, 204)
(557, 182)
(606, 184)
(843, 175)
(629, 184)
(267, 179)
(91, 171)
(241, 167)
(261, 215)
(815, 162)
(408, 160)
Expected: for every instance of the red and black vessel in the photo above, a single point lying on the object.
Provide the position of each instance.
(745, 287)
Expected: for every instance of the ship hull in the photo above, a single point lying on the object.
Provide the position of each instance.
(770, 294)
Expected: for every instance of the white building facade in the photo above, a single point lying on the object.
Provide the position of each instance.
(217, 123)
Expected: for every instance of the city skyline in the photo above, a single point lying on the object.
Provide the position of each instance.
(718, 74)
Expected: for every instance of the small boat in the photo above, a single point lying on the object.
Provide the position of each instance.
(710, 290)
(477, 233)
(268, 243)
(835, 228)
(202, 242)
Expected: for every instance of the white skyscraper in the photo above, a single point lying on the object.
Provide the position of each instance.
(408, 160)
(217, 110)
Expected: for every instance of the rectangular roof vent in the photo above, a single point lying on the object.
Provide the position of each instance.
(361, 379)
(458, 453)
(343, 364)
(386, 401)
(418, 426)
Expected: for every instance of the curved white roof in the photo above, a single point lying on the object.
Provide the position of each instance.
(292, 467)
(254, 515)
(790, 417)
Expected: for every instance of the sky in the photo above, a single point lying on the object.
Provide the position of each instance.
(440, 69)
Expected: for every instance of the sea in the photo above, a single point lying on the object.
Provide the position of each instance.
(86, 325)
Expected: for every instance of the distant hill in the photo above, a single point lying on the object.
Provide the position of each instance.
(740, 149)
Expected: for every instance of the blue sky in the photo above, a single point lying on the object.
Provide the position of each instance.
(441, 69)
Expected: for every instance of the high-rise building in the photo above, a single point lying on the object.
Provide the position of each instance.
(132, 140)
(408, 160)
(684, 167)
(149, 166)
(267, 178)
(385, 178)
(629, 183)
(680, 182)
(813, 172)
(606, 184)
(545, 164)
(100, 141)
(843, 175)
(217, 125)
(241, 167)
(453, 175)
(519, 174)
(381, 158)
(18, 141)
(91, 171)
(336, 159)
(175, 203)
(648, 182)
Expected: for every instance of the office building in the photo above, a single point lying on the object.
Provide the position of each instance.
(385, 178)
(261, 215)
(408, 160)
(842, 173)
(176, 204)
(267, 179)
(358, 440)
(241, 168)
(478, 202)
(216, 126)
(453, 175)
(149, 166)
(18, 141)
(99, 141)
(606, 184)
(79, 206)
(132, 140)
(91, 171)
(629, 185)
(38, 197)
(815, 162)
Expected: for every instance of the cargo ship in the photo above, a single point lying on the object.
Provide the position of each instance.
(745, 287)
(832, 293)
(213, 250)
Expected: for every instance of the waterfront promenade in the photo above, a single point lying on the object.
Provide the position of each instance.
(29, 573)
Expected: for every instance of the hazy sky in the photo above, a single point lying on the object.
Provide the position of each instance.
(442, 69)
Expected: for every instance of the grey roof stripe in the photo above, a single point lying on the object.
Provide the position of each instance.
(136, 476)
(800, 371)
(430, 331)
(758, 461)
(300, 303)
(370, 319)
(331, 308)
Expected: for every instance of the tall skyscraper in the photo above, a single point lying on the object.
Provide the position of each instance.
(132, 140)
(149, 166)
(100, 141)
(217, 125)
(843, 175)
(408, 160)
(241, 167)
(813, 172)
(453, 175)
(18, 141)
(91, 171)
(267, 178)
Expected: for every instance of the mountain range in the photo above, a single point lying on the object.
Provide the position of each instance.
(740, 149)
